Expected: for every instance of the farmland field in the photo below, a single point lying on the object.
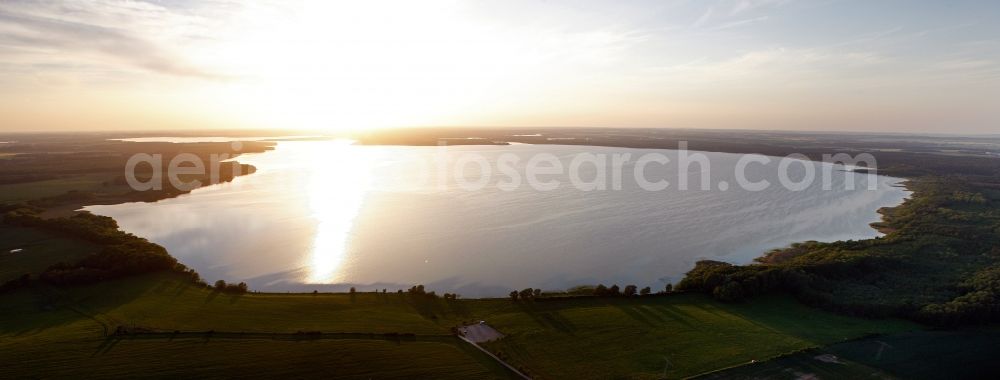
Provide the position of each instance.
(963, 354)
(33, 190)
(549, 339)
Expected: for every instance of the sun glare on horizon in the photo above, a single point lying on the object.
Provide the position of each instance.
(332, 65)
(350, 66)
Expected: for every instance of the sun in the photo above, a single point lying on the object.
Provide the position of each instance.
(353, 66)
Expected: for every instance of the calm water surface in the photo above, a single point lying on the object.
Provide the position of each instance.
(327, 215)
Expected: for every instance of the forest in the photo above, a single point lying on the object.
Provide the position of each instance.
(939, 262)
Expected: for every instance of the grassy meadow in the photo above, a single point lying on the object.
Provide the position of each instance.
(674, 336)
(18, 192)
(959, 354)
(55, 332)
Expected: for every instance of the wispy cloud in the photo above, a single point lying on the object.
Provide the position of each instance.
(778, 66)
(63, 34)
(744, 6)
(704, 17)
(740, 23)
(740, 13)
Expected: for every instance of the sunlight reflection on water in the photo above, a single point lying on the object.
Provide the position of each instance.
(335, 201)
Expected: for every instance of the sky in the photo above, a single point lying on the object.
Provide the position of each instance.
(823, 65)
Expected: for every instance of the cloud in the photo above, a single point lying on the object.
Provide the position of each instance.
(744, 6)
(36, 39)
(704, 17)
(737, 13)
(768, 68)
(740, 23)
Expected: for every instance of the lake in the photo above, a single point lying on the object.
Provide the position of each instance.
(328, 215)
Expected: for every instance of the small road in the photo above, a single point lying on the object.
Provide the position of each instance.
(481, 332)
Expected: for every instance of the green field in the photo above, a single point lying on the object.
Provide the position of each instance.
(53, 332)
(679, 336)
(39, 250)
(959, 354)
(50, 332)
(966, 354)
(813, 363)
(250, 358)
(19, 192)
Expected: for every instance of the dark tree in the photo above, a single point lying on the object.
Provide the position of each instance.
(527, 293)
(417, 290)
(629, 290)
(601, 290)
(513, 295)
(614, 290)
(645, 291)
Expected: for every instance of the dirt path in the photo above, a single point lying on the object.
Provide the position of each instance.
(479, 333)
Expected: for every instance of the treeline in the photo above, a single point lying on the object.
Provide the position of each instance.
(733, 283)
(939, 263)
(420, 291)
(629, 291)
(121, 254)
(531, 294)
(222, 286)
